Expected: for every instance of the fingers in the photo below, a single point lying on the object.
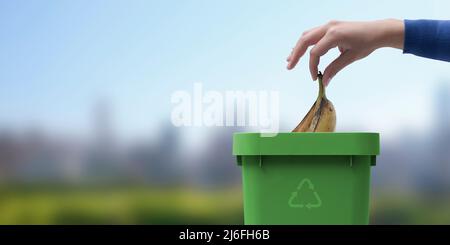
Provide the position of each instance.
(298, 42)
(308, 38)
(338, 64)
(290, 55)
(326, 43)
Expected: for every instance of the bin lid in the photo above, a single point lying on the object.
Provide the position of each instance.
(340, 143)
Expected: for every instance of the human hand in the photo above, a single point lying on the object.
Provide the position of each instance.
(355, 41)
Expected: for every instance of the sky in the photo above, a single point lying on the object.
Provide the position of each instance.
(59, 58)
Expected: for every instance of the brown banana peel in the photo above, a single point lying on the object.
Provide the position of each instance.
(322, 115)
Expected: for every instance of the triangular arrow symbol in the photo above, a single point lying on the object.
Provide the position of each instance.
(305, 184)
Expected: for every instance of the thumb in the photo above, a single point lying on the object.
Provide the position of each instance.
(338, 64)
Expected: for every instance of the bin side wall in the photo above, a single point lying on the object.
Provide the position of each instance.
(306, 189)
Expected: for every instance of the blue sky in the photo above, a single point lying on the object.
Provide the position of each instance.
(59, 57)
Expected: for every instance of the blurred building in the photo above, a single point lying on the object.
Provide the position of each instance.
(440, 154)
(219, 166)
(419, 163)
(10, 154)
(102, 160)
(157, 162)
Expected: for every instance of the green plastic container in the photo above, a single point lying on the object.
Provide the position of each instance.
(306, 178)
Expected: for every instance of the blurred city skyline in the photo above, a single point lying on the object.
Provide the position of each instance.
(166, 156)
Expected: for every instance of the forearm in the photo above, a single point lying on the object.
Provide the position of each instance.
(428, 38)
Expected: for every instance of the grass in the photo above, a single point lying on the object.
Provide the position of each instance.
(404, 208)
(55, 204)
(119, 205)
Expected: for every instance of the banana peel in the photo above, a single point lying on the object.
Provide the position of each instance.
(322, 115)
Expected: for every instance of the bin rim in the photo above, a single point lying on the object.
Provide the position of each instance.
(317, 143)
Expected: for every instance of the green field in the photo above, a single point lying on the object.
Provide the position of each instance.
(119, 205)
(54, 204)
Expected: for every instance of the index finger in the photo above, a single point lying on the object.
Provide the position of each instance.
(309, 38)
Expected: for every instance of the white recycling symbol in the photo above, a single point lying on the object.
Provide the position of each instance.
(294, 200)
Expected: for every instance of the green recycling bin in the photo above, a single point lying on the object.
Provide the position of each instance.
(306, 178)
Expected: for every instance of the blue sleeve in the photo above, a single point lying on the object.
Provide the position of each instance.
(428, 38)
